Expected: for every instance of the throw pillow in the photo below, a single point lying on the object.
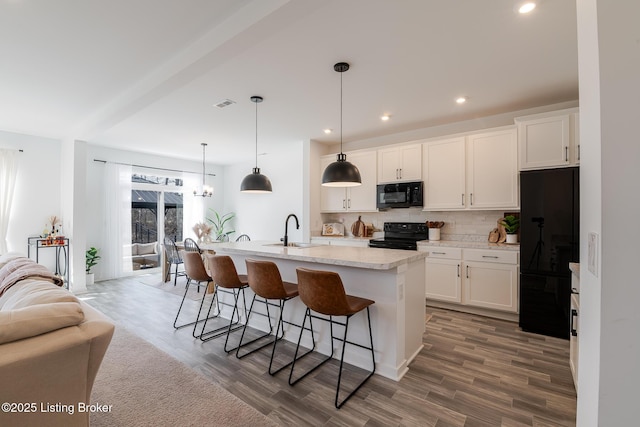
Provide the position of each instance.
(146, 248)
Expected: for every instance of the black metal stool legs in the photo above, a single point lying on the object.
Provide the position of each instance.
(198, 320)
(338, 403)
(233, 325)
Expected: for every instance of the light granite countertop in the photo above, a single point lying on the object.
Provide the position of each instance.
(469, 244)
(349, 256)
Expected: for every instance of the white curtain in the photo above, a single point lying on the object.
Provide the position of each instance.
(8, 172)
(193, 206)
(116, 256)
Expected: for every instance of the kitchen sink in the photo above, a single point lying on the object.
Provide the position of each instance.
(296, 245)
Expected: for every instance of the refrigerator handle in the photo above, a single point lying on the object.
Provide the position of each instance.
(574, 314)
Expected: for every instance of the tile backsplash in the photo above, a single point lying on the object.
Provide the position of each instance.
(458, 225)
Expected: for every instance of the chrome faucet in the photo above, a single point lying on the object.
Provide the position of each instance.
(286, 224)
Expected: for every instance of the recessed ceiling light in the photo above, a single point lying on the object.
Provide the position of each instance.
(328, 131)
(525, 6)
(461, 99)
(385, 117)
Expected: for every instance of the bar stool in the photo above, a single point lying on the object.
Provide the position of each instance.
(323, 292)
(195, 272)
(266, 283)
(227, 280)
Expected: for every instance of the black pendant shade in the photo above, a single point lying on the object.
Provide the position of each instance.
(256, 182)
(341, 173)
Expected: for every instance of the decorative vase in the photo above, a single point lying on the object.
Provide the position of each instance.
(512, 238)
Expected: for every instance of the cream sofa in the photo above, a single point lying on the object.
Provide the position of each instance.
(51, 346)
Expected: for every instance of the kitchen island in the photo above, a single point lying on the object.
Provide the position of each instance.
(394, 279)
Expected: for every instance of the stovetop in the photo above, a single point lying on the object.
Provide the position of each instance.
(401, 235)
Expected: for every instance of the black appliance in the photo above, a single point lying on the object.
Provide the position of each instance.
(401, 235)
(399, 195)
(549, 240)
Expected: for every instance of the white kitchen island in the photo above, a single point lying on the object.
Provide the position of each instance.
(394, 279)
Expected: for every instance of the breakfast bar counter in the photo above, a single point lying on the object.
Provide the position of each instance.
(394, 279)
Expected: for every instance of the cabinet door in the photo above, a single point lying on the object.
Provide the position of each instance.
(444, 163)
(388, 165)
(544, 142)
(332, 199)
(491, 285)
(492, 170)
(363, 198)
(411, 163)
(443, 280)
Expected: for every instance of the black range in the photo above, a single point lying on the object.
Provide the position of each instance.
(401, 235)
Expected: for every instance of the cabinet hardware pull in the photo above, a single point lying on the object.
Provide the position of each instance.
(578, 151)
(566, 154)
(397, 173)
(489, 256)
(349, 203)
(471, 196)
(574, 314)
(344, 204)
(462, 199)
(458, 270)
(440, 253)
(400, 173)
(467, 271)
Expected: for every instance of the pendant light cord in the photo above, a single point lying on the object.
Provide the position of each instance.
(256, 134)
(203, 147)
(341, 112)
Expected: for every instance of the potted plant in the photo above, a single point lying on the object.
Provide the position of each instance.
(91, 258)
(511, 226)
(219, 223)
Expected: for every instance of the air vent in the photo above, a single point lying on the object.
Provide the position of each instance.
(224, 103)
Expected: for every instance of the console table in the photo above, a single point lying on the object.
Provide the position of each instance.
(61, 246)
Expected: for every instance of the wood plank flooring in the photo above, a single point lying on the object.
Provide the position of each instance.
(473, 371)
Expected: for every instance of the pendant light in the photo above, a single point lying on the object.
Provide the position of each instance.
(341, 173)
(204, 190)
(255, 182)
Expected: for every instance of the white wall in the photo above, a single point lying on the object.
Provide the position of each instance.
(37, 191)
(262, 216)
(609, 68)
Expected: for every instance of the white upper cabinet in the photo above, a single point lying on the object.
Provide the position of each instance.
(403, 163)
(477, 171)
(357, 199)
(444, 164)
(492, 170)
(548, 140)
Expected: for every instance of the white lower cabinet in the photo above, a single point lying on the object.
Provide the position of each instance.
(473, 278)
(442, 268)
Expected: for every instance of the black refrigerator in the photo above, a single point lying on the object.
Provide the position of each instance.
(549, 233)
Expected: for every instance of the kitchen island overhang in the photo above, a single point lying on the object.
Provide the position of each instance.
(394, 279)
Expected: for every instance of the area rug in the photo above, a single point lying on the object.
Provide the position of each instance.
(146, 387)
(156, 281)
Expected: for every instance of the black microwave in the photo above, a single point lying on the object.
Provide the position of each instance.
(399, 195)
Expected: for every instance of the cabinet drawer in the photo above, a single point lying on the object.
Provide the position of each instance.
(497, 256)
(443, 252)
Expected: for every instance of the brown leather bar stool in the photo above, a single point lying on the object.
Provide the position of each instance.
(266, 283)
(226, 279)
(196, 275)
(323, 292)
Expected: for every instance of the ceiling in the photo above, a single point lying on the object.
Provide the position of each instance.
(144, 75)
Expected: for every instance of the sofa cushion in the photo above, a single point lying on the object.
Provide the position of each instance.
(32, 292)
(38, 319)
(146, 248)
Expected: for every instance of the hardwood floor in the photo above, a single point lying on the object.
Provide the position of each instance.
(473, 371)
